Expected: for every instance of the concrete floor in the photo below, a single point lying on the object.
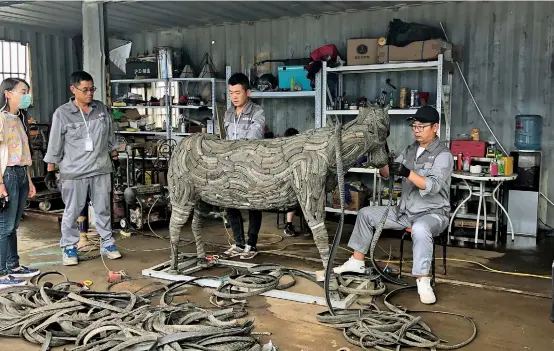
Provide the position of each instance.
(506, 321)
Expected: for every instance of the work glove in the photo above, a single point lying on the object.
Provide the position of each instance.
(50, 180)
(398, 169)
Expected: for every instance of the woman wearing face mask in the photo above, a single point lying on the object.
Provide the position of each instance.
(15, 183)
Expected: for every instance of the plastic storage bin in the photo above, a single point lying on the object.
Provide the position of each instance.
(528, 132)
(285, 74)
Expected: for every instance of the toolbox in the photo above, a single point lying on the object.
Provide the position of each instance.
(286, 73)
(469, 148)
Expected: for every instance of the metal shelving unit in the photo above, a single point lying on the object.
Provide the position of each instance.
(315, 94)
(437, 66)
(337, 210)
(392, 111)
(138, 81)
(138, 106)
(443, 92)
(150, 133)
(376, 184)
(281, 94)
(167, 105)
(213, 106)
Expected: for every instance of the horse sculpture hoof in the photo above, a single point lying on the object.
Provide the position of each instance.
(333, 283)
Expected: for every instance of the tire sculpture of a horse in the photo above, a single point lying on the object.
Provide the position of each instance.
(270, 174)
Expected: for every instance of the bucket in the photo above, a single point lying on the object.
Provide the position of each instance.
(528, 132)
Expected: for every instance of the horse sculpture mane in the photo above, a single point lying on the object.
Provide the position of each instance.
(268, 174)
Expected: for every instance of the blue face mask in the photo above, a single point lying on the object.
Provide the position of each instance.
(25, 101)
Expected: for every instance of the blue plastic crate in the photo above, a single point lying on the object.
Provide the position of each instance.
(285, 74)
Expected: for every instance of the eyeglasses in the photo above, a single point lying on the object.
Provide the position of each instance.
(420, 127)
(86, 90)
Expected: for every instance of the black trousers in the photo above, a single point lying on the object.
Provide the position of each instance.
(237, 226)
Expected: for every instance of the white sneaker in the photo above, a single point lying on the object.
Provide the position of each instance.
(425, 291)
(352, 265)
(248, 253)
(233, 251)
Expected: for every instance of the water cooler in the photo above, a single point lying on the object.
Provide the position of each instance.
(524, 194)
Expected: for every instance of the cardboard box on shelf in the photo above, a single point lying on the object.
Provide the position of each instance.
(416, 51)
(361, 51)
(357, 202)
(470, 223)
(195, 129)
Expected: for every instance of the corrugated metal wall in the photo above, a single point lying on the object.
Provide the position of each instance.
(508, 61)
(53, 60)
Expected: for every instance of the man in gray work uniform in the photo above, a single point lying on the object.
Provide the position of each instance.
(245, 120)
(81, 142)
(425, 167)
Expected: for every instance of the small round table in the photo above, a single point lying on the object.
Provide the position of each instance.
(482, 179)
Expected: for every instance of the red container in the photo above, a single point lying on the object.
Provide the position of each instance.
(423, 95)
(469, 148)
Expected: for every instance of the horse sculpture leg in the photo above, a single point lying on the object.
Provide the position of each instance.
(179, 216)
(321, 239)
(197, 221)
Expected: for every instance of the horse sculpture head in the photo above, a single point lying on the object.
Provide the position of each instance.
(374, 124)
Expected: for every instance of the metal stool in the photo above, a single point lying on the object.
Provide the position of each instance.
(442, 239)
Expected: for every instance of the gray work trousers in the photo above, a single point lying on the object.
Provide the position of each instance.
(74, 196)
(424, 228)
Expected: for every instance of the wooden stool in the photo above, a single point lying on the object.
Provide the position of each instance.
(442, 239)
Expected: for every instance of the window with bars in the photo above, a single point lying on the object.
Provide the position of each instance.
(14, 60)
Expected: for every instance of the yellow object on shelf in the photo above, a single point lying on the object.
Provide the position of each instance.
(508, 165)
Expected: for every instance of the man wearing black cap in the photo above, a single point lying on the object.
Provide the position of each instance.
(425, 167)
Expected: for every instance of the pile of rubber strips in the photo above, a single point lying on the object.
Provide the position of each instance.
(67, 313)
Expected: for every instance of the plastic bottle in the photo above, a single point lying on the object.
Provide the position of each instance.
(460, 162)
(494, 168)
(491, 149)
(528, 132)
(466, 164)
(500, 162)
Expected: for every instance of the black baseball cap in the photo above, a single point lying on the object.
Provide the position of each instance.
(425, 114)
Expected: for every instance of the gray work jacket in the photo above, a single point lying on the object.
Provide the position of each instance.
(68, 134)
(435, 164)
(248, 125)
